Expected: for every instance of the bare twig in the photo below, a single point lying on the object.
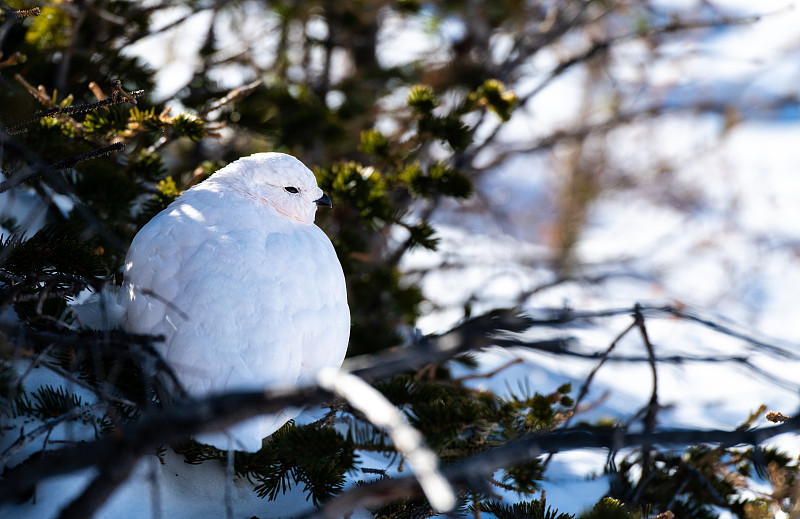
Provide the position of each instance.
(598, 47)
(561, 316)
(652, 405)
(11, 60)
(490, 374)
(165, 28)
(233, 96)
(584, 390)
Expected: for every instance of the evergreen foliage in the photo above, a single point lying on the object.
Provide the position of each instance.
(608, 508)
(312, 456)
(536, 509)
(59, 137)
(702, 480)
(47, 402)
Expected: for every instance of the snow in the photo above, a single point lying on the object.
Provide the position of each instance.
(164, 488)
(716, 233)
(25, 207)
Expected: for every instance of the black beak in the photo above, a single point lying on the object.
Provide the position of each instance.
(324, 200)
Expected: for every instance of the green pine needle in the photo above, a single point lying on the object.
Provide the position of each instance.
(536, 509)
(48, 402)
(188, 125)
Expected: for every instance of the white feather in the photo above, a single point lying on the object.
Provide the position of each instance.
(246, 289)
(100, 310)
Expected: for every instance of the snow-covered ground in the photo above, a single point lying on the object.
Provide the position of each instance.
(717, 233)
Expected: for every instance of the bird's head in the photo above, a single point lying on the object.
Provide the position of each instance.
(277, 180)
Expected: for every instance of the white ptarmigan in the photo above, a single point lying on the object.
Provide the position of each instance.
(247, 291)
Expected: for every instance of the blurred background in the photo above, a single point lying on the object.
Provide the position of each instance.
(549, 156)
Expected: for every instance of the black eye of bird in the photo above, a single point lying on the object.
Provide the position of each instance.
(291, 189)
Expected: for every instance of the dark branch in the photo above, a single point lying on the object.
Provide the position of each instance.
(18, 179)
(118, 96)
(652, 405)
(217, 412)
(474, 334)
(469, 474)
(39, 168)
(159, 426)
(11, 16)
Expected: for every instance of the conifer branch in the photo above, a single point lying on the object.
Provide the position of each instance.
(217, 412)
(20, 13)
(48, 426)
(29, 288)
(160, 426)
(39, 168)
(157, 427)
(220, 411)
(11, 16)
(119, 344)
(16, 179)
(118, 96)
(471, 472)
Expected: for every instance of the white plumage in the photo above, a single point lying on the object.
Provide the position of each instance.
(246, 289)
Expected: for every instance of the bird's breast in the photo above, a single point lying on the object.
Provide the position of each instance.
(243, 307)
